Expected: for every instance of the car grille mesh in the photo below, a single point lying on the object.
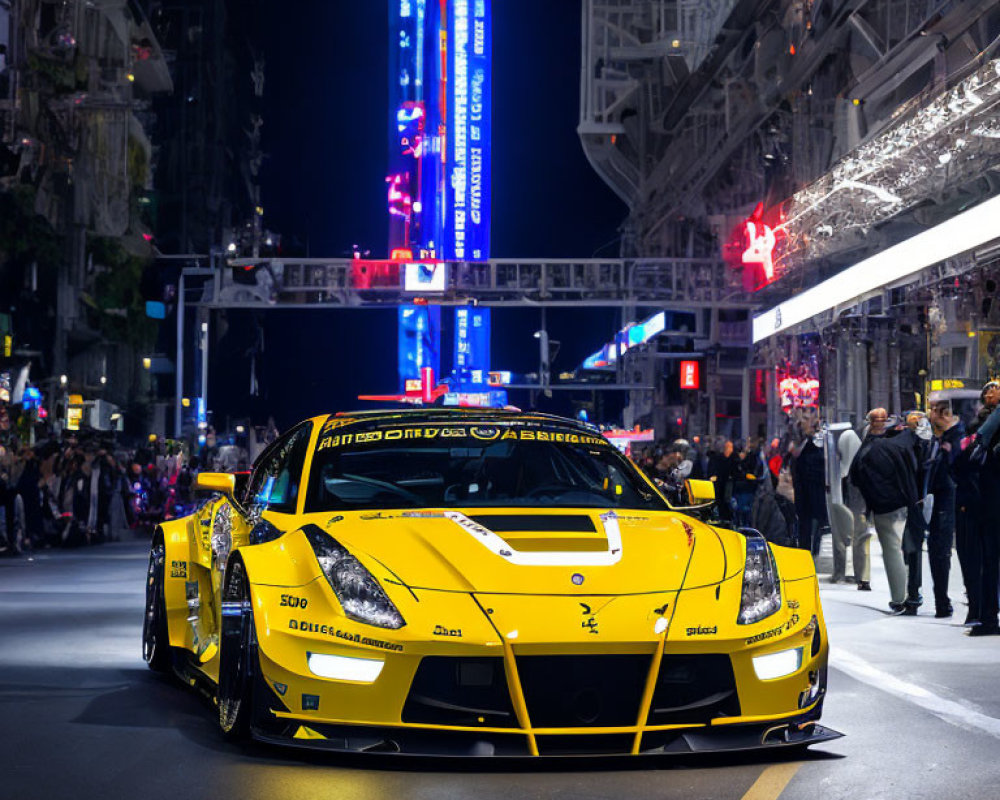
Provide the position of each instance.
(572, 691)
(694, 689)
(582, 691)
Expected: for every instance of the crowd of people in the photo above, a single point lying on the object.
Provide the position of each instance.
(82, 490)
(930, 478)
(914, 479)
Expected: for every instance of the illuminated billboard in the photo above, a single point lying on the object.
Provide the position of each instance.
(690, 375)
(425, 277)
(472, 349)
(419, 338)
(439, 128)
(467, 204)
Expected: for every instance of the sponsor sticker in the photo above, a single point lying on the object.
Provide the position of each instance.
(336, 633)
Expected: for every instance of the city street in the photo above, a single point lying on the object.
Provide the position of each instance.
(84, 717)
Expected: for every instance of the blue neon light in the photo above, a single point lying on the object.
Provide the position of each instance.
(467, 204)
(419, 337)
(472, 349)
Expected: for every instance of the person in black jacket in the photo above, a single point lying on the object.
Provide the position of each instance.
(918, 517)
(809, 478)
(988, 453)
(967, 505)
(940, 483)
(885, 472)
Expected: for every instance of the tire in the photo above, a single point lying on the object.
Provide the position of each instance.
(155, 637)
(238, 663)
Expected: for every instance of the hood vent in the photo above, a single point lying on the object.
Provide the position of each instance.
(550, 523)
(546, 533)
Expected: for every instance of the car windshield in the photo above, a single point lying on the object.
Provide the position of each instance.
(435, 466)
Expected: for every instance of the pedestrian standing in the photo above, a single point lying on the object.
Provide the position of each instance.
(945, 447)
(967, 505)
(987, 454)
(918, 435)
(854, 532)
(809, 477)
(887, 482)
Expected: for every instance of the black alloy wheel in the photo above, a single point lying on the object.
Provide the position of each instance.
(155, 638)
(238, 655)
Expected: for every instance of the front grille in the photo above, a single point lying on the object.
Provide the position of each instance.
(460, 691)
(694, 689)
(583, 690)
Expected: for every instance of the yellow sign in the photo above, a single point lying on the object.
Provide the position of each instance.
(73, 418)
(8, 345)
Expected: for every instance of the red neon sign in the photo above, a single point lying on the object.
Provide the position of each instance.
(760, 243)
(690, 375)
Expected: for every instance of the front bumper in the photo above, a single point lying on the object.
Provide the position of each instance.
(687, 690)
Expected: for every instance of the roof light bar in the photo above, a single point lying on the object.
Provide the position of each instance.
(962, 232)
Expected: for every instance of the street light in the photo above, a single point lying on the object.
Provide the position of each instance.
(147, 362)
(62, 380)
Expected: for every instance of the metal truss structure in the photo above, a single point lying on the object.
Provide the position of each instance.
(862, 119)
(330, 283)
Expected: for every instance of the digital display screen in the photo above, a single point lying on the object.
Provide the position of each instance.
(425, 277)
(467, 195)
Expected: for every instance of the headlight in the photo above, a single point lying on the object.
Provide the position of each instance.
(761, 590)
(362, 599)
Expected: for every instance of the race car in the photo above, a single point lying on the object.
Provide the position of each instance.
(480, 583)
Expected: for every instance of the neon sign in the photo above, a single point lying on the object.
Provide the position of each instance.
(467, 197)
(690, 375)
(761, 241)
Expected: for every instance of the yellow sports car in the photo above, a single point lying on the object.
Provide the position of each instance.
(484, 583)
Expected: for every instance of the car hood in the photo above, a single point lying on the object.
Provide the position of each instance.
(528, 551)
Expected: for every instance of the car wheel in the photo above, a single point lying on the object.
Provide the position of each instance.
(155, 638)
(238, 655)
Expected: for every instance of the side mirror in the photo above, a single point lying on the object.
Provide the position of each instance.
(700, 492)
(221, 482)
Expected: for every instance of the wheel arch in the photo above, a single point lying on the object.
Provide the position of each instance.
(176, 573)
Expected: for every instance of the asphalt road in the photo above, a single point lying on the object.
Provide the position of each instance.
(83, 717)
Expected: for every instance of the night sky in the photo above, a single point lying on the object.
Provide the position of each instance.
(325, 121)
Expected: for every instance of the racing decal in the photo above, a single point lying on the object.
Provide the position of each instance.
(336, 422)
(793, 604)
(792, 622)
(690, 533)
(478, 433)
(498, 546)
(698, 630)
(292, 601)
(591, 620)
(178, 569)
(280, 688)
(336, 633)
(441, 630)
(334, 520)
